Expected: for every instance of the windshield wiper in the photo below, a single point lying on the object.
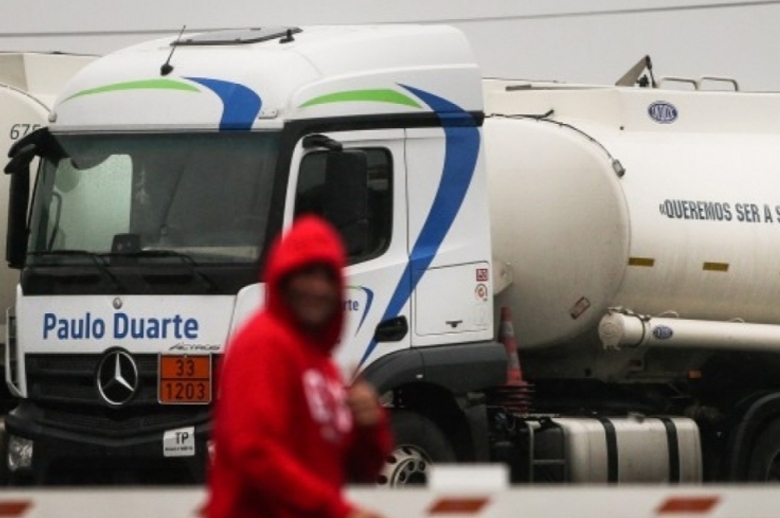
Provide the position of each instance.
(163, 254)
(96, 259)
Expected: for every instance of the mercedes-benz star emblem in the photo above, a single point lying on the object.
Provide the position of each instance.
(117, 378)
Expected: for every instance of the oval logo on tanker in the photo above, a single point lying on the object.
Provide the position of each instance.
(662, 112)
(662, 332)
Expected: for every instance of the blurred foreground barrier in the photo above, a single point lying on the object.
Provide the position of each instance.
(528, 502)
(460, 493)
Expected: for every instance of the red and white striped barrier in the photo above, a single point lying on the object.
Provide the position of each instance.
(528, 502)
(453, 492)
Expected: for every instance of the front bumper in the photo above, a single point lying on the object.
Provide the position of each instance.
(174, 455)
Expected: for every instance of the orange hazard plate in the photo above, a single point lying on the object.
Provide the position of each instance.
(185, 379)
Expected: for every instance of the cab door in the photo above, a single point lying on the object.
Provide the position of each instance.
(376, 307)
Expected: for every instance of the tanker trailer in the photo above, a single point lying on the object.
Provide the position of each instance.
(636, 236)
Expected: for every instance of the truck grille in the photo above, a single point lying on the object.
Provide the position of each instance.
(64, 387)
(70, 378)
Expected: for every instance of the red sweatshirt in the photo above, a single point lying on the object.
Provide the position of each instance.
(284, 439)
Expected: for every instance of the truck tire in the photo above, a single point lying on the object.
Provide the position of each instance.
(764, 463)
(419, 444)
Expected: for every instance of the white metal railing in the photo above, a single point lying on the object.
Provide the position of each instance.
(697, 83)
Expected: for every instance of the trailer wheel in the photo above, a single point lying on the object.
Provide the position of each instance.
(419, 443)
(764, 463)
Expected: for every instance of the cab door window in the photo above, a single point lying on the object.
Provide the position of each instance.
(316, 194)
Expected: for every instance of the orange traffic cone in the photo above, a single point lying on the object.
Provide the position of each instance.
(506, 335)
(515, 394)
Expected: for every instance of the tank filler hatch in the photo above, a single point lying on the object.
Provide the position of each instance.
(239, 36)
(634, 75)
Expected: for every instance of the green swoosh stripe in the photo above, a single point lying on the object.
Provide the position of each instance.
(147, 84)
(379, 95)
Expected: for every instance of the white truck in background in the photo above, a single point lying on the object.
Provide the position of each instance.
(631, 231)
(29, 83)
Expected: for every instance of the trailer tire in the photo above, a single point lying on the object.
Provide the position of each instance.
(419, 443)
(764, 465)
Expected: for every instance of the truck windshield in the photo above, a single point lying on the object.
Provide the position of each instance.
(203, 195)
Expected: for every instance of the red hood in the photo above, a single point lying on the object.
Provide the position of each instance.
(310, 241)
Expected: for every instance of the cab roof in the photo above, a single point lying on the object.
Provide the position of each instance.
(255, 78)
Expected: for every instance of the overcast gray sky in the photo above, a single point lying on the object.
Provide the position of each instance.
(569, 40)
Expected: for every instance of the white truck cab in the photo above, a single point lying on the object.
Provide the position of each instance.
(167, 170)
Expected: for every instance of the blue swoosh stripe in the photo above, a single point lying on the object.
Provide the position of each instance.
(462, 141)
(369, 301)
(240, 105)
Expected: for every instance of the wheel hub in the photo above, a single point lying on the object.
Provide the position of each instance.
(405, 466)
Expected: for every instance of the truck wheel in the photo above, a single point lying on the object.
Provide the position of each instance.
(419, 443)
(765, 458)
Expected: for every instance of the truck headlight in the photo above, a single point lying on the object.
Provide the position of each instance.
(20, 452)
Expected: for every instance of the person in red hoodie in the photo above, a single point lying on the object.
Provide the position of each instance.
(287, 432)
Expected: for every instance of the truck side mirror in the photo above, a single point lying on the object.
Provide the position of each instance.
(346, 197)
(16, 236)
(22, 154)
(38, 143)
